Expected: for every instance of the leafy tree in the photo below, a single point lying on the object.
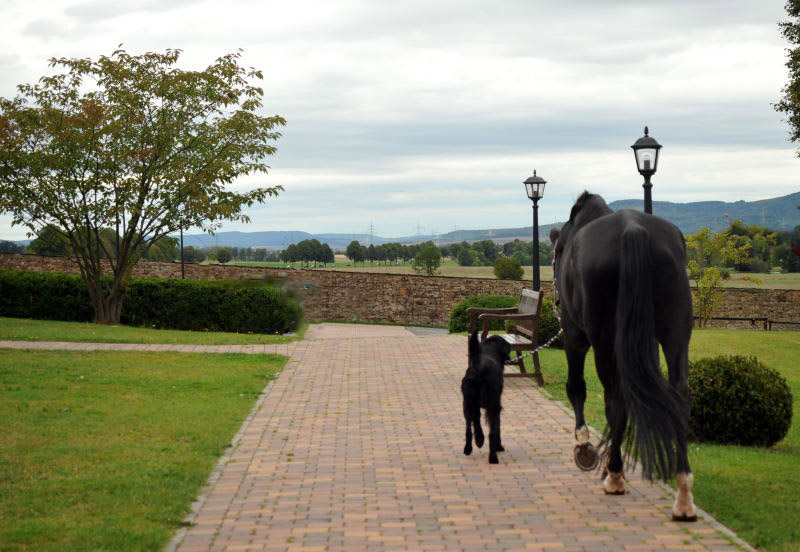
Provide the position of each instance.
(192, 255)
(51, 242)
(224, 255)
(467, 257)
(327, 254)
(291, 254)
(164, 249)
(545, 254)
(708, 253)
(790, 103)
(508, 268)
(523, 258)
(133, 143)
(487, 251)
(761, 241)
(428, 259)
(10, 247)
(356, 252)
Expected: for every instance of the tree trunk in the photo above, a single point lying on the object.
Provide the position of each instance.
(107, 310)
(107, 304)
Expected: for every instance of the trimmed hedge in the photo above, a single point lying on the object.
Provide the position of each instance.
(738, 400)
(44, 296)
(548, 323)
(206, 305)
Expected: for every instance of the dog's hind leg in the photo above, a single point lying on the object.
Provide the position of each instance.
(468, 418)
(493, 417)
(476, 421)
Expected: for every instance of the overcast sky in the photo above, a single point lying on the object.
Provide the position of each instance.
(429, 114)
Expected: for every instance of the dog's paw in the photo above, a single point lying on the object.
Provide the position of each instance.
(468, 449)
(493, 459)
(479, 440)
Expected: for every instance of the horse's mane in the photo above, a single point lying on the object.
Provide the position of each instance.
(589, 207)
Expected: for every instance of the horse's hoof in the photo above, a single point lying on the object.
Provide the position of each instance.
(493, 460)
(684, 517)
(586, 457)
(614, 484)
(479, 440)
(501, 448)
(468, 450)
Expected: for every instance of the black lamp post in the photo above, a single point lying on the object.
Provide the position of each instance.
(534, 187)
(646, 149)
(183, 265)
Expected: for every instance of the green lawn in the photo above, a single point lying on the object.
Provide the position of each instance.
(753, 491)
(106, 451)
(22, 329)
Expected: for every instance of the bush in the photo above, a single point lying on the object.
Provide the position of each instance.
(224, 305)
(549, 324)
(738, 400)
(44, 296)
(458, 316)
(508, 268)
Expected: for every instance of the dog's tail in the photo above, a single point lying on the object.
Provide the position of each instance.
(474, 347)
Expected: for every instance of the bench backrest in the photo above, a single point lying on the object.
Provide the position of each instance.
(529, 303)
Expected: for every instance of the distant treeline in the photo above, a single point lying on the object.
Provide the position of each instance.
(768, 250)
(481, 253)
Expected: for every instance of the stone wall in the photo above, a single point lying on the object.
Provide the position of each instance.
(403, 299)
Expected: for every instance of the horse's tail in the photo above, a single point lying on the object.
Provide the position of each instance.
(655, 413)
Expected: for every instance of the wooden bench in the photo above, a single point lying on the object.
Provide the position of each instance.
(524, 334)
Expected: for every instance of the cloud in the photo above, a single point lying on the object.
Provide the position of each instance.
(100, 10)
(433, 113)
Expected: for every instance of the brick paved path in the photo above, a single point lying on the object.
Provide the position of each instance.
(357, 444)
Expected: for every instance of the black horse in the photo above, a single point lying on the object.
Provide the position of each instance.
(623, 290)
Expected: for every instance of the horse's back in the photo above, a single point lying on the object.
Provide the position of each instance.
(597, 254)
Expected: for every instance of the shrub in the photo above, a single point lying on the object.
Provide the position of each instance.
(224, 305)
(458, 316)
(508, 268)
(44, 296)
(549, 324)
(738, 400)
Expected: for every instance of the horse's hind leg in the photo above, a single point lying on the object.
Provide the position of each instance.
(576, 388)
(676, 354)
(585, 454)
(614, 482)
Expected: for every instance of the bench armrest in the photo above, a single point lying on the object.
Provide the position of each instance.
(492, 316)
(485, 318)
(474, 312)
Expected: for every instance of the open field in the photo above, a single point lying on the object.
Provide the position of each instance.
(107, 450)
(451, 268)
(754, 491)
(23, 329)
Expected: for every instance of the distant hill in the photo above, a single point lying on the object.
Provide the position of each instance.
(779, 213)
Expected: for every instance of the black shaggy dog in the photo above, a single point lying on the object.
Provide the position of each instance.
(482, 386)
